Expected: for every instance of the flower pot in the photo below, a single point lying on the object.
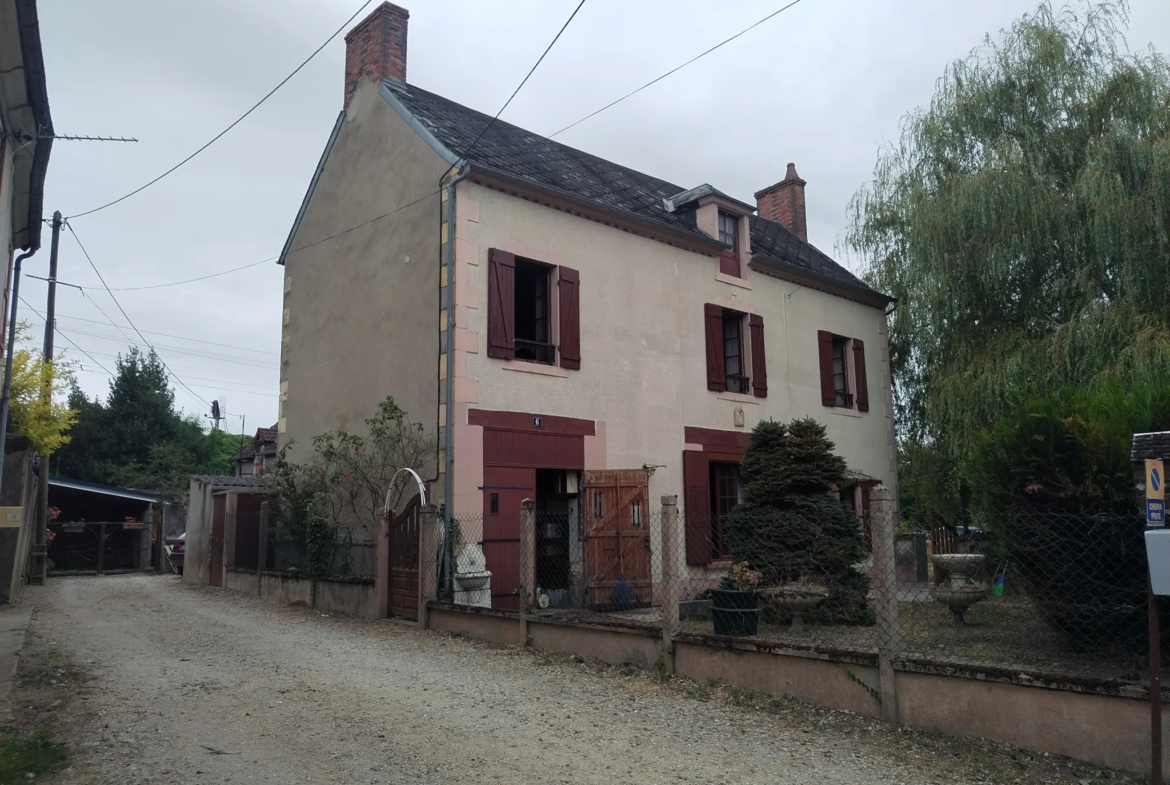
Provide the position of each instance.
(735, 612)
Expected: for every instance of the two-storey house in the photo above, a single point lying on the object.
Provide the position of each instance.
(578, 332)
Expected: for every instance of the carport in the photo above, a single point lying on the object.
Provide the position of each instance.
(96, 529)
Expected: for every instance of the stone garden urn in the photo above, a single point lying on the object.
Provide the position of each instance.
(960, 591)
(796, 600)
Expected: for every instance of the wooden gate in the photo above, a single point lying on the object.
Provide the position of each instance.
(617, 539)
(404, 531)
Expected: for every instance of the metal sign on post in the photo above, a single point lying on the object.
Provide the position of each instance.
(1155, 493)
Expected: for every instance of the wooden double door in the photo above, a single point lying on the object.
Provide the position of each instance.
(614, 523)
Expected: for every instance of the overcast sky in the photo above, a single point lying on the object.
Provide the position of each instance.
(823, 84)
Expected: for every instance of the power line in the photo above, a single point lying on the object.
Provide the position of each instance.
(218, 358)
(178, 283)
(128, 319)
(239, 120)
(67, 338)
(531, 71)
(675, 69)
(179, 337)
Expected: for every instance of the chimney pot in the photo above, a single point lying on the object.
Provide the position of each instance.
(377, 48)
(784, 203)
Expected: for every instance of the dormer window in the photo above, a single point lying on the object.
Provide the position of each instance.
(729, 231)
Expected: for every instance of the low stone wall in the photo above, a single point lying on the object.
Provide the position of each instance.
(1080, 721)
(355, 596)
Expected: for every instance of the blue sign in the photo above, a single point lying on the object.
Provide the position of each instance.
(1155, 480)
(1155, 512)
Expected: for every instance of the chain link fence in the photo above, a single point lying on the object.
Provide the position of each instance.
(325, 550)
(1051, 594)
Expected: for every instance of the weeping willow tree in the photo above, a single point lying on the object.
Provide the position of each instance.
(1023, 222)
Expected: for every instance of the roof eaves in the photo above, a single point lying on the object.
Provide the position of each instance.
(387, 90)
(859, 293)
(37, 96)
(695, 237)
(284, 252)
(103, 490)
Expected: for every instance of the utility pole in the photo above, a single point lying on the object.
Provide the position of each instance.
(41, 549)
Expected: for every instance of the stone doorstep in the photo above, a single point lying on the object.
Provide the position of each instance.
(13, 624)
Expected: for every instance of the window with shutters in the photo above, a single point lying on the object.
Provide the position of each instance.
(843, 375)
(532, 314)
(522, 307)
(736, 362)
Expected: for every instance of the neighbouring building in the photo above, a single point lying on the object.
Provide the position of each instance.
(251, 459)
(578, 325)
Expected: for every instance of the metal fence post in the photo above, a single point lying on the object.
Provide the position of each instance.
(101, 565)
(670, 587)
(884, 525)
(527, 563)
(262, 554)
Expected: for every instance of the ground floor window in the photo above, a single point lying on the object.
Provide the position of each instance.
(726, 494)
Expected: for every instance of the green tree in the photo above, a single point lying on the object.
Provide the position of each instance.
(136, 438)
(1023, 222)
(790, 528)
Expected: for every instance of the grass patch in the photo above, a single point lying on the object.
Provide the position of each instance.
(37, 755)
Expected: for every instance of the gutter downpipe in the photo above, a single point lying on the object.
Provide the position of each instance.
(449, 419)
(7, 394)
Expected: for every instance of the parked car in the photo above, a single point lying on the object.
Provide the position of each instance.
(176, 555)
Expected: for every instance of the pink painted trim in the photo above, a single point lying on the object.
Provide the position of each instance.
(595, 448)
(738, 398)
(735, 304)
(731, 279)
(692, 446)
(537, 368)
(536, 254)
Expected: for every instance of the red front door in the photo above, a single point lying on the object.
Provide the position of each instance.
(504, 488)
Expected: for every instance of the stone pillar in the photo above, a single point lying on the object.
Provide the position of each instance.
(884, 525)
(382, 565)
(430, 540)
(527, 563)
(670, 579)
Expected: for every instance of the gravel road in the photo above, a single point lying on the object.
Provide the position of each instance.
(199, 685)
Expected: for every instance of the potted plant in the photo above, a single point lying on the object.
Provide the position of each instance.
(733, 605)
(795, 598)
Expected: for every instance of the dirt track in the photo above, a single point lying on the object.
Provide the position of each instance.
(197, 685)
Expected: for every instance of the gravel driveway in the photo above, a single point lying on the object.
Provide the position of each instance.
(199, 685)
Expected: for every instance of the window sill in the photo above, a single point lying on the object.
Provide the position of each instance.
(738, 397)
(733, 280)
(540, 369)
(844, 412)
(718, 564)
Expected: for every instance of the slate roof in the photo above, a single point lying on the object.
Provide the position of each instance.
(1150, 445)
(226, 482)
(551, 165)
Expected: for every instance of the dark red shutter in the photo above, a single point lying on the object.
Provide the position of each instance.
(759, 359)
(569, 285)
(861, 394)
(713, 324)
(697, 506)
(828, 391)
(501, 304)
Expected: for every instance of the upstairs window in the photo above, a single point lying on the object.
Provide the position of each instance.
(842, 396)
(533, 338)
(843, 376)
(733, 373)
(729, 231)
(521, 301)
(736, 362)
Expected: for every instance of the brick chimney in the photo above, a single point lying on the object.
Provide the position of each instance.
(784, 203)
(377, 48)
